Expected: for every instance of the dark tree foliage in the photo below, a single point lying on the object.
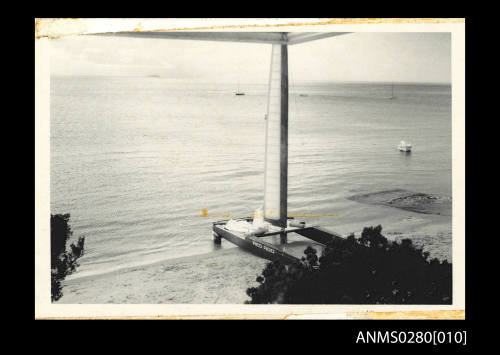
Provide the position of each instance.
(62, 262)
(365, 270)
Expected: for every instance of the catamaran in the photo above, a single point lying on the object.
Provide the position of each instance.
(271, 234)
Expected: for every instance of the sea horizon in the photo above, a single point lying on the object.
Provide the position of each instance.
(211, 81)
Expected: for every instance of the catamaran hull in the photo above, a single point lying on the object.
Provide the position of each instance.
(257, 246)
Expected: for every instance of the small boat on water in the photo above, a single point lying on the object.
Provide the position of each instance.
(404, 146)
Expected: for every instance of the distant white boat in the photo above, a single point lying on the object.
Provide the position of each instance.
(404, 146)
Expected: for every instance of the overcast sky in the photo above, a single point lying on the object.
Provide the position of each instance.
(398, 57)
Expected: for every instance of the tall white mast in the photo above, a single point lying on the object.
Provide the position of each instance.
(276, 158)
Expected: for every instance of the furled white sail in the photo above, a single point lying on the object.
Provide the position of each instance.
(276, 160)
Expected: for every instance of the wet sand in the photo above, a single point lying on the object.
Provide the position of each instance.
(218, 277)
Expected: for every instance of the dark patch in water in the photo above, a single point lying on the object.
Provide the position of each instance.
(408, 200)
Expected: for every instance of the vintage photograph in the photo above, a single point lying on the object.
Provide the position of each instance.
(251, 167)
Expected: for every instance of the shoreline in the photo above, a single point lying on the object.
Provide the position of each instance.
(145, 265)
(220, 276)
(200, 278)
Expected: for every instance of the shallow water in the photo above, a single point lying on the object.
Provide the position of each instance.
(136, 160)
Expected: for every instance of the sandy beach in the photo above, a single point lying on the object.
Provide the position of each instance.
(218, 277)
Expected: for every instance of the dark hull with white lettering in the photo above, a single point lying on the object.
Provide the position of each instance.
(274, 245)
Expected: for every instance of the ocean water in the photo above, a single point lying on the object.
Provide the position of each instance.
(135, 160)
